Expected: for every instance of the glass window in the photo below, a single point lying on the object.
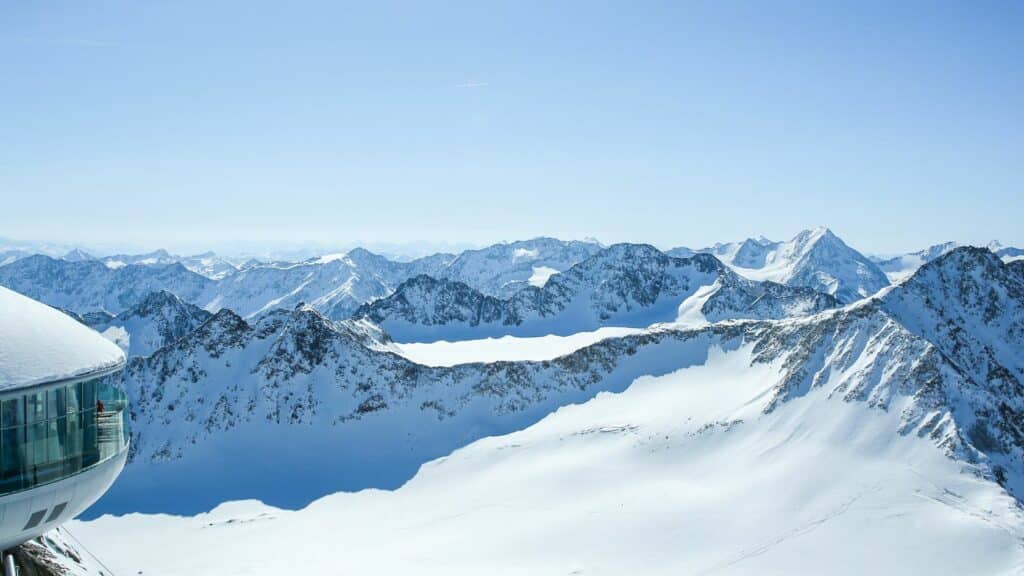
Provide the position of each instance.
(48, 435)
(13, 412)
(88, 394)
(73, 395)
(51, 403)
(36, 407)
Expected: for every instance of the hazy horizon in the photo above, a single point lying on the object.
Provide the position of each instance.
(304, 250)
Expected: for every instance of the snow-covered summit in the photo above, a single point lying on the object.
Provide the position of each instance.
(159, 319)
(40, 344)
(502, 269)
(77, 255)
(815, 258)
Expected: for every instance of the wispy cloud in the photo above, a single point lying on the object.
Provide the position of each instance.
(471, 84)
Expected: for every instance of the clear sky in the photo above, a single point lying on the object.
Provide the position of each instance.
(193, 125)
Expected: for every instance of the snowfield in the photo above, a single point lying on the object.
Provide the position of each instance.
(679, 474)
(506, 348)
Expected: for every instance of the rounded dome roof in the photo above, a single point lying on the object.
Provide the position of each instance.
(39, 344)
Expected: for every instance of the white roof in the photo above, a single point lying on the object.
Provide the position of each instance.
(39, 344)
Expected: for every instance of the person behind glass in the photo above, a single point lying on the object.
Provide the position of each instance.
(99, 406)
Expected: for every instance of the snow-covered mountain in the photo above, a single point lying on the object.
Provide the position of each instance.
(207, 264)
(159, 257)
(684, 473)
(632, 285)
(8, 256)
(502, 270)
(335, 284)
(158, 320)
(77, 255)
(890, 425)
(237, 396)
(1007, 253)
(899, 267)
(90, 285)
(815, 259)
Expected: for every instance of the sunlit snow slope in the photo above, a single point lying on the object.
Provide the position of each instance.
(680, 474)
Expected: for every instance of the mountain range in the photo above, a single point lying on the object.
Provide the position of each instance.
(338, 284)
(865, 405)
(941, 349)
(632, 285)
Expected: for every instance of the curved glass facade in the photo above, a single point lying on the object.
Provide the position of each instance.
(53, 432)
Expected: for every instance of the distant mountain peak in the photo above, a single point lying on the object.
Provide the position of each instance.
(77, 255)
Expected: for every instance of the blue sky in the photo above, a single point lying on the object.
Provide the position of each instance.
(194, 125)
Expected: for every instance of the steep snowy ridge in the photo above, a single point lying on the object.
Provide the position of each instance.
(89, 285)
(158, 320)
(624, 285)
(424, 300)
(971, 305)
(829, 265)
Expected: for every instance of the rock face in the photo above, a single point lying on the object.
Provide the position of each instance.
(815, 259)
(54, 554)
(624, 285)
(1017, 267)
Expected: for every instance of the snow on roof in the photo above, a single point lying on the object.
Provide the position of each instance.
(39, 344)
